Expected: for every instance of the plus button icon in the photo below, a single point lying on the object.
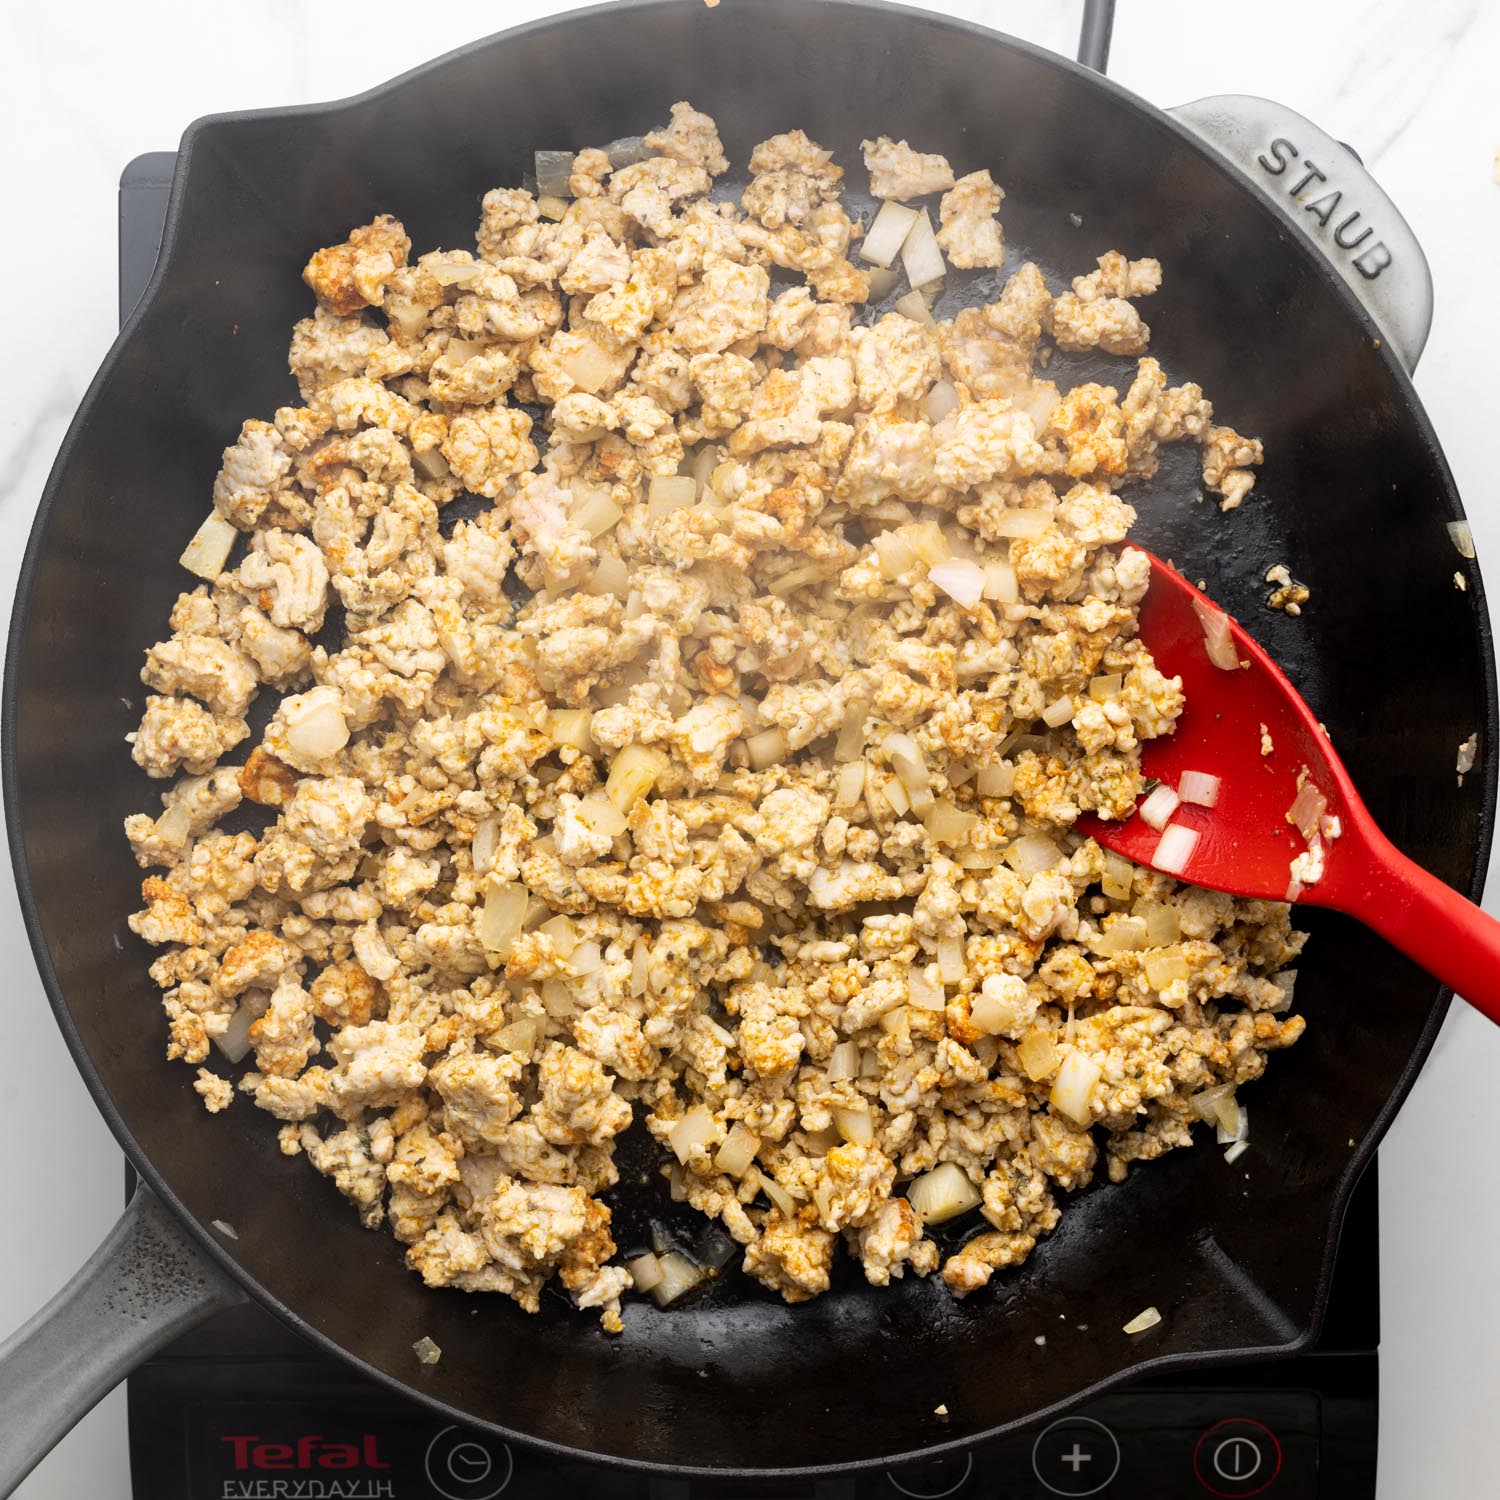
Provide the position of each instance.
(1077, 1458)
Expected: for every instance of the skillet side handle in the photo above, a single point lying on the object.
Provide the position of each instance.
(143, 1286)
(1322, 189)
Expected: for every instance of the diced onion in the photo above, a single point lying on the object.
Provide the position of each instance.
(1039, 402)
(894, 554)
(1163, 922)
(1031, 854)
(225, 1228)
(1118, 875)
(557, 999)
(1157, 809)
(887, 233)
(714, 1249)
(939, 401)
(596, 513)
(432, 463)
(588, 367)
(1143, 1320)
(517, 1036)
(924, 993)
(767, 748)
(947, 824)
(320, 731)
(208, 551)
(1199, 788)
(998, 780)
(626, 151)
(1025, 524)
(587, 959)
(601, 816)
(782, 1200)
(426, 1351)
(570, 726)
(632, 774)
(1217, 639)
(1073, 1085)
(913, 305)
(1462, 538)
(1000, 582)
(961, 580)
(610, 575)
(705, 461)
(1227, 1114)
(928, 542)
(669, 492)
(695, 1128)
(843, 1061)
(1058, 713)
(1039, 1055)
(1163, 970)
(1204, 1104)
(738, 1151)
(1307, 810)
(485, 846)
(905, 757)
(851, 741)
(950, 954)
(1286, 981)
(1234, 1122)
(883, 281)
(501, 918)
(551, 207)
(1106, 688)
(1125, 935)
(455, 272)
(943, 1193)
(1175, 849)
(895, 794)
(1237, 1150)
(678, 1276)
(960, 773)
(850, 786)
(921, 256)
(645, 1272)
(640, 967)
(856, 1126)
(234, 1040)
(553, 169)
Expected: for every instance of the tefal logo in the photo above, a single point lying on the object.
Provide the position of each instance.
(310, 1451)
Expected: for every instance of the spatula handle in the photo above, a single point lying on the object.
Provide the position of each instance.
(1431, 923)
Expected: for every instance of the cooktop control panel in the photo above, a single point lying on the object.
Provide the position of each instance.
(299, 1431)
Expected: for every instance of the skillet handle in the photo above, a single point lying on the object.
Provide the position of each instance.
(143, 1286)
(1321, 188)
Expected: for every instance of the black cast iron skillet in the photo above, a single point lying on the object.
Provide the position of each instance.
(1354, 496)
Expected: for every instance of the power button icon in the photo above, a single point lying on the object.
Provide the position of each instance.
(1237, 1457)
(461, 1465)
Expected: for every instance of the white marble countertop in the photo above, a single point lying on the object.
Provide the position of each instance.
(92, 84)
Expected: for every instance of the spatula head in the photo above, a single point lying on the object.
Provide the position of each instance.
(1251, 728)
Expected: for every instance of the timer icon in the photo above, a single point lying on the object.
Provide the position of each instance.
(461, 1465)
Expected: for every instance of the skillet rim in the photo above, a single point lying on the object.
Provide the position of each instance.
(210, 1245)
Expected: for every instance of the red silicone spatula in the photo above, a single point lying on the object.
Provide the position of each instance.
(1249, 727)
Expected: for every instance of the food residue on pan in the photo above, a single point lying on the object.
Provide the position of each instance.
(1467, 752)
(1266, 744)
(687, 668)
(1149, 1318)
(1289, 594)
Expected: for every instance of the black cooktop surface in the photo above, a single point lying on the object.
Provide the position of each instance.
(242, 1409)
